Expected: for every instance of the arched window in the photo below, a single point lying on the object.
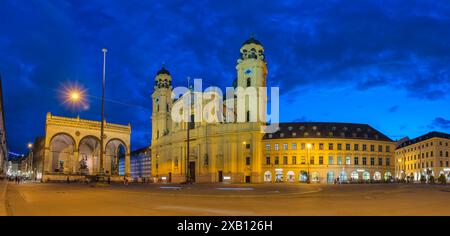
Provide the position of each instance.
(303, 176)
(343, 177)
(354, 175)
(366, 175)
(387, 175)
(267, 176)
(249, 82)
(248, 116)
(290, 176)
(315, 177)
(377, 176)
(330, 177)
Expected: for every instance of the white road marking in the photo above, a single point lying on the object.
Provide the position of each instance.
(205, 210)
(240, 189)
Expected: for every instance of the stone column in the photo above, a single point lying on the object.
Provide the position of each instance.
(75, 162)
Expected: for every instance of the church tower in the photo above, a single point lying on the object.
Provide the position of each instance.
(252, 71)
(162, 104)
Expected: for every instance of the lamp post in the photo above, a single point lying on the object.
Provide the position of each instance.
(30, 157)
(308, 147)
(102, 131)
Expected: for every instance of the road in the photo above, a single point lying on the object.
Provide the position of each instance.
(226, 199)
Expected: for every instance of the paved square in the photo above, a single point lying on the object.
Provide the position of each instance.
(227, 199)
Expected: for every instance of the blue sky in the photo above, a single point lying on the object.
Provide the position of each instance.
(385, 63)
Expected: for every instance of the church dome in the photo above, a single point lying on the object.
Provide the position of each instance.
(163, 70)
(252, 40)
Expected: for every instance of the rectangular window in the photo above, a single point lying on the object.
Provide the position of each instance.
(277, 160)
(380, 161)
(441, 163)
(347, 161)
(330, 160)
(339, 146)
(330, 146)
(320, 146)
(372, 148)
(364, 161)
(247, 161)
(285, 146)
(311, 160)
(372, 161)
(294, 146)
(446, 163)
(356, 147)
(364, 147)
(388, 161)
(347, 146)
(267, 147)
(247, 145)
(356, 161)
(380, 148)
(267, 160)
(431, 153)
(302, 146)
(276, 147)
(294, 160)
(303, 160)
(388, 148)
(285, 161)
(321, 160)
(339, 161)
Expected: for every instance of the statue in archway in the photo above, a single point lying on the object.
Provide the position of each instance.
(83, 165)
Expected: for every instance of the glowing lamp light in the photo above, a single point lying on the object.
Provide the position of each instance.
(226, 177)
(308, 146)
(163, 178)
(30, 145)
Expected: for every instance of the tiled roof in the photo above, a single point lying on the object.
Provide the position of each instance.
(424, 137)
(327, 130)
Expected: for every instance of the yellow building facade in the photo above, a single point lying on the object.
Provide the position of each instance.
(239, 152)
(424, 156)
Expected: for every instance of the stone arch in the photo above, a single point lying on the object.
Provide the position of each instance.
(89, 155)
(115, 152)
(61, 147)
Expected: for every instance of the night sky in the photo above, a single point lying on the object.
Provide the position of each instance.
(385, 63)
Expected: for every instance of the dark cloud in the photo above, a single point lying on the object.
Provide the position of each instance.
(401, 45)
(393, 108)
(440, 123)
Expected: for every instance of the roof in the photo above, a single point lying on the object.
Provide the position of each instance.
(327, 130)
(251, 40)
(140, 150)
(433, 134)
(163, 70)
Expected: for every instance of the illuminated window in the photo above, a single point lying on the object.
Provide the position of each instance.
(339, 160)
(347, 161)
(294, 160)
(330, 160)
(294, 146)
(320, 160)
(276, 147)
(267, 147)
(356, 161)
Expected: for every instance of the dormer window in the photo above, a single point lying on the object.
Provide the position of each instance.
(294, 134)
(314, 127)
(290, 128)
(333, 128)
(302, 127)
(281, 135)
(270, 135)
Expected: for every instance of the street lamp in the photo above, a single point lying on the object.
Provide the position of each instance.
(30, 156)
(102, 131)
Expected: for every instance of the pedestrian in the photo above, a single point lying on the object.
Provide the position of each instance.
(109, 180)
(68, 180)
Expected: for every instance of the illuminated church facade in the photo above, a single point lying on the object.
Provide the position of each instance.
(238, 152)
